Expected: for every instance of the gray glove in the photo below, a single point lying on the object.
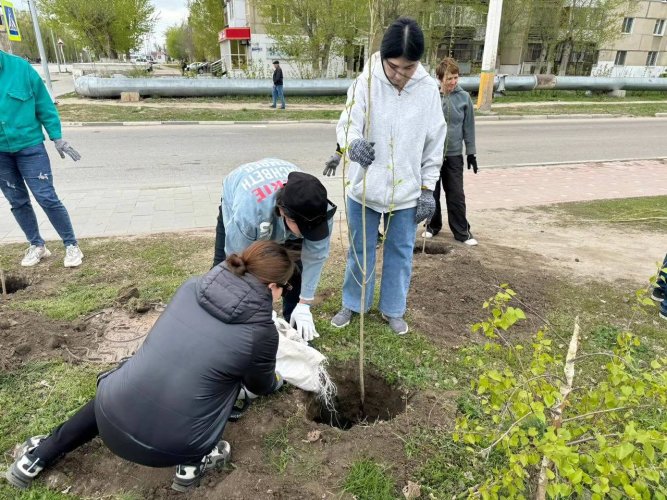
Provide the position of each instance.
(64, 148)
(425, 206)
(331, 165)
(362, 152)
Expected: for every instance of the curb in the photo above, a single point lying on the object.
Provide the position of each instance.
(482, 118)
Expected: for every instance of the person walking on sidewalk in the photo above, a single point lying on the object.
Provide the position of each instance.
(272, 199)
(395, 163)
(26, 107)
(169, 403)
(659, 292)
(459, 114)
(278, 85)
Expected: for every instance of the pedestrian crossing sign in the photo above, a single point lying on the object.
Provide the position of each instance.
(10, 24)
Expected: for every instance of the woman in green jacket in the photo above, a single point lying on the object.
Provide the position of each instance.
(26, 107)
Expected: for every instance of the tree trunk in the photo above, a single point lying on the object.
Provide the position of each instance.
(542, 60)
(565, 58)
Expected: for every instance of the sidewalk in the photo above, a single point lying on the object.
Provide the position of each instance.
(105, 213)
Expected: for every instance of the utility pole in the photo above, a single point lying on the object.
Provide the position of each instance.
(485, 95)
(55, 50)
(40, 46)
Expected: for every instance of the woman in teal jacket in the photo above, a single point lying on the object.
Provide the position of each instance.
(26, 107)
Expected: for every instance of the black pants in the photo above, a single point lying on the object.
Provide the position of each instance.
(451, 177)
(68, 436)
(83, 427)
(290, 297)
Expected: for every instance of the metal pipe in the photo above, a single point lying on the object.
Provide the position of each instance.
(93, 86)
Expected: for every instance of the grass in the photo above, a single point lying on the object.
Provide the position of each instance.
(647, 213)
(627, 109)
(36, 397)
(577, 95)
(95, 113)
(369, 480)
(158, 266)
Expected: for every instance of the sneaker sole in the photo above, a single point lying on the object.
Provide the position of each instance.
(47, 254)
(662, 316)
(183, 487)
(15, 480)
(74, 264)
(340, 326)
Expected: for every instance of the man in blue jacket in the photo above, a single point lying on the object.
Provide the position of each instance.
(26, 107)
(272, 199)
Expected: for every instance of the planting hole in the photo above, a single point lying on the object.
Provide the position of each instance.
(432, 247)
(382, 402)
(14, 283)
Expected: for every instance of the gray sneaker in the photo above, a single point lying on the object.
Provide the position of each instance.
(342, 318)
(27, 466)
(398, 325)
(189, 476)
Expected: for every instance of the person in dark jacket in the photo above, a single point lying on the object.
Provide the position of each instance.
(278, 85)
(459, 114)
(168, 404)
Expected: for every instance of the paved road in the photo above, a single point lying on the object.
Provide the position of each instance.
(172, 155)
(136, 180)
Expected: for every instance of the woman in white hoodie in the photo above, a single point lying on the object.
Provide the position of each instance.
(393, 132)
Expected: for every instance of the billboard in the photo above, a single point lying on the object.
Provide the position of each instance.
(10, 24)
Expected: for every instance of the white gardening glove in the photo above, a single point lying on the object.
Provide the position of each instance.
(303, 319)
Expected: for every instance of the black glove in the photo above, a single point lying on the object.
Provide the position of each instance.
(362, 152)
(331, 165)
(425, 206)
(472, 162)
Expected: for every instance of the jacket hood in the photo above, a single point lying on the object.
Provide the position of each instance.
(374, 64)
(233, 299)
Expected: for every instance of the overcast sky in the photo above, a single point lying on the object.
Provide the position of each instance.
(170, 12)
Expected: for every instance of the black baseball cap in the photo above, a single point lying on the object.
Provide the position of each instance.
(305, 200)
(276, 62)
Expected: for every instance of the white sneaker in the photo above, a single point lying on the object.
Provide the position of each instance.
(427, 234)
(34, 254)
(73, 256)
(471, 242)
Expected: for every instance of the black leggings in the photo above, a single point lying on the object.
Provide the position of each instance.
(83, 427)
(68, 436)
(290, 297)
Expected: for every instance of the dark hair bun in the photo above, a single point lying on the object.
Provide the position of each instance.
(236, 265)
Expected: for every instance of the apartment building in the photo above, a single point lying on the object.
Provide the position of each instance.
(247, 50)
(641, 48)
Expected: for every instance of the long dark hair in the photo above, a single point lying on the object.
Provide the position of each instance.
(268, 261)
(404, 38)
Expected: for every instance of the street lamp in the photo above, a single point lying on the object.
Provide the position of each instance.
(40, 46)
(62, 53)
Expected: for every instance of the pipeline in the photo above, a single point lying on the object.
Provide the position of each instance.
(92, 86)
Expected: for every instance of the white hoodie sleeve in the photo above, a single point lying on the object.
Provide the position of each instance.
(434, 145)
(353, 118)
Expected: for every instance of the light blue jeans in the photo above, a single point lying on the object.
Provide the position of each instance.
(398, 246)
(278, 94)
(30, 168)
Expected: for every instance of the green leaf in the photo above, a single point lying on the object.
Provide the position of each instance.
(649, 451)
(624, 450)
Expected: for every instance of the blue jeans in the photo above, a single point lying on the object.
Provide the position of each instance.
(398, 245)
(662, 284)
(278, 94)
(31, 167)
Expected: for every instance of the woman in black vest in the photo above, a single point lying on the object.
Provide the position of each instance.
(168, 404)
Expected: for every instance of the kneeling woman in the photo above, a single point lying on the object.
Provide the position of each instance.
(169, 403)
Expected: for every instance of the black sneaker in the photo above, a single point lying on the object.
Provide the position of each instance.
(27, 466)
(189, 476)
(662, 315)
(657, 294)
